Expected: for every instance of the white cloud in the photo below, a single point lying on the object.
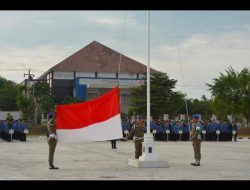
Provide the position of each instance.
(39, 60)
(8, 22)
(104, 19)
(113, 21)
(203, 56)
(109, 21)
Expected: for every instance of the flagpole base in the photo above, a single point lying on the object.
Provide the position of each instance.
(148, 159)
(147, 164)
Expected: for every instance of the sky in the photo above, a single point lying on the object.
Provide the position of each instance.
(192, 47)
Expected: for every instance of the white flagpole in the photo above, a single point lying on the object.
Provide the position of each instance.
(148, 159)
(149, 153)
(148, 75)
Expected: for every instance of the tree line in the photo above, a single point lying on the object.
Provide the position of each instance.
(230, 95)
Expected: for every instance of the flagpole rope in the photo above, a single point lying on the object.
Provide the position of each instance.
(122, 45)
(180, 63)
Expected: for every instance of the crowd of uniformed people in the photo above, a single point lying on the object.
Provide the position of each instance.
(162, 129)
(11, 129)
(179, 130)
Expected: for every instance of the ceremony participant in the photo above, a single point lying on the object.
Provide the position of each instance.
(52, 139)
(195, 136)
(137, 132)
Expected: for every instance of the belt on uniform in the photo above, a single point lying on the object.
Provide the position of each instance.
(138, 138)
(53, 135)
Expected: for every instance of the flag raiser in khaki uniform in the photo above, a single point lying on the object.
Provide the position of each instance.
(52, 139)
(137, 132)
(196, 138)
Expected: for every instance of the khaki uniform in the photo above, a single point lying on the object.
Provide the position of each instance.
(196, 138)
(52, 140)
(137, 132)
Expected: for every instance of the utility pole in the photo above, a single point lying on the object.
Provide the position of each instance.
(31, 80)
(30, 76)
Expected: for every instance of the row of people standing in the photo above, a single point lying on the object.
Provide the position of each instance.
(175, 131)
(17, 127)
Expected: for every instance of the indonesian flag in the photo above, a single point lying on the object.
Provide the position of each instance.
(94, 120)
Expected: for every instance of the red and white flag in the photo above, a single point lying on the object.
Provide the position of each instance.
(94, 120)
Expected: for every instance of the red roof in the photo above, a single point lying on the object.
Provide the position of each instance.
(96, 57)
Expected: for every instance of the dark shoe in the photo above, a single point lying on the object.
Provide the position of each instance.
(52, 167)
(115, 148)
(197, 164)
(192, 164)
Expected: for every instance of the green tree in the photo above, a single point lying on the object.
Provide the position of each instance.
(220, 108)
(162, 95)
(71, 100)
(25, 106)
(177, 105)
(231, 91)
(41, 88)
(8, 93)
(46, 103)
(203, 107)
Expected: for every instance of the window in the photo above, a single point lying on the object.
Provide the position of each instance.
(85, 74)
(127, 76)
(106, 75)
(64, 75)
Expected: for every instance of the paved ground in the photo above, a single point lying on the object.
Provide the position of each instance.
(97, 161)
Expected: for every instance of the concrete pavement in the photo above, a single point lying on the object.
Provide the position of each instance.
(97, 161)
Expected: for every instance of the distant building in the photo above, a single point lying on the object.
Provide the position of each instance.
(15, 114)
(94, 70)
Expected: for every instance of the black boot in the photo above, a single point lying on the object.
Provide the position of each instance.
(51, 166)
(193, 163)
(197, 163)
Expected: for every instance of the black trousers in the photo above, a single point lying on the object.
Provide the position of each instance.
(235, 137)
(23, 137)
(113, 143)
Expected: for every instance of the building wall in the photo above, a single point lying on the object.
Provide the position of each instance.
(15, 114)
(124, 96)
(97, 84)
(62, 87)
